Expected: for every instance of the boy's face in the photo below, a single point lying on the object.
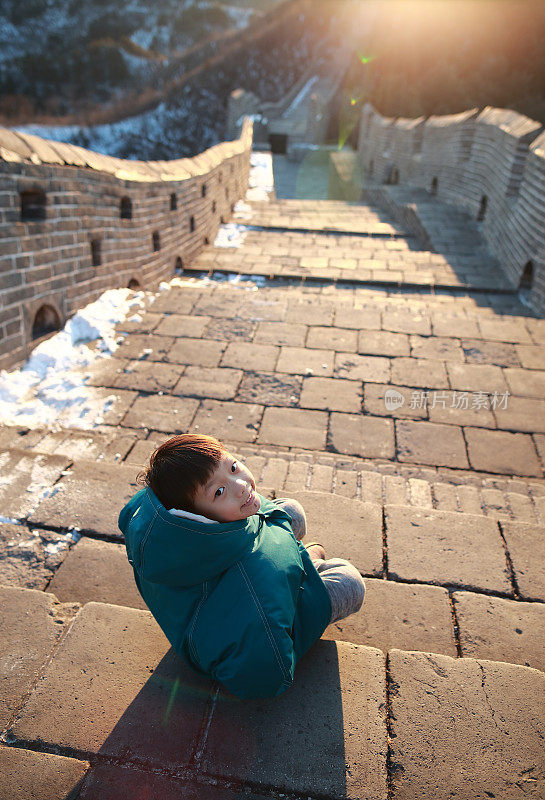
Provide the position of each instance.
(229, 493)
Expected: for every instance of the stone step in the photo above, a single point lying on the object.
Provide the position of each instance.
(114, 694)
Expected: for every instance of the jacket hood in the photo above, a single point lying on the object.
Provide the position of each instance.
(175, 551)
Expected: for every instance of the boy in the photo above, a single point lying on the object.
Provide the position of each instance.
(223, 571)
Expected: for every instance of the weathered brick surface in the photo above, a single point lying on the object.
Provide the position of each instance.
(498, 451)
(26, 774)
(526, 546)
(430, 443)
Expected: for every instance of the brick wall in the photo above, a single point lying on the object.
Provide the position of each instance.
(492, 163)
(63, 239)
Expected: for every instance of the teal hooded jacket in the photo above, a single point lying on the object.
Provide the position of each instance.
(240, 601)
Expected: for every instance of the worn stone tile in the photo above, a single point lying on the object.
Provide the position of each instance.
(182, 325)
(28, 558)
(126, 689)
(539, 441)
(199, 352)
(401, 401)
(465, 728)
(220, 383)
(537, 329)
(111, 446)
(27, 775)
(499, 451)
(402, 615)
(281, 333)
(236, 422)
(294, 427)
(146, 376)
(73, 503)
(530, 356)
(455, 325)
(302, 361)
(265, 308)
(32, 623)
(526, 382)
(501, 630)
(362, 435)
(287, 753)
(366, 318)
(338, 339)
(176, 301)
(315, 314)
(504, 330)
(383, 343)
(362, 368)
(104, 371)
(419, 372)
(268, 388)
(26, 479)
(431, 443)
(476, 378)
(477, 351)
(230, 330)
(162, 413)
(406, 322)
(457, 408)
(96, 570)
(140, 323)
(331, 394)
(347, 529)
(149, 347)
(438, 347)
(526, 547)
(446, 547)
(141, 452)
(219, 304)
(243, 355)
(522, 414)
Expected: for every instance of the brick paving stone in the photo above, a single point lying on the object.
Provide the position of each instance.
(430, 443)
(281, 333)
(526, 547)
(477, 351)
(458, 408)
(362, 435)
(338, 339)
(539, 441)
(237, 422)
(453, 325)
(244, 355)
(521, 507)
(148, 376)
(294, 427)
(275, 472)
(347, 528)
(420, 493)
(219, 304)
(182, 325)
(230, 330)
(27, 775)
(198, 352)
(446, 497)
(465, 729)
(405, 322)
(504, 330)
(220, 383)
(140, 323)
(438, 347)
(537, 330)
(530, 356)
(115, 405)
(419, 372)
(346, 483)
(25, 479)
(383, 343)
(302, 361)
(298, 476)
(144, 347)
(161, 413)
(495, 503)
(445, 547)
(371, 486)
(499, 451)
(142, 450)
(265, 309)
(270, 388)
(176, 301)
(333, 394)
(93, 446)
(395, 489)
(362, 368)
(310, 314)
(401, 615)
(321, 479)
(32, 623)
(500, 630)
(74, 504)
(287, 753)
(105, 371)
(470, 500)
(28, 558)
(526, 382)
(116, 664)
(476, 378)
(399, 401)
(99, 571)
(366, 318)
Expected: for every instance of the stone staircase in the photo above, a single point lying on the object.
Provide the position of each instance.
(436, 687)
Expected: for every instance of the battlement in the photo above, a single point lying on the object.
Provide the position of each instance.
(491, 163)
(75, 223)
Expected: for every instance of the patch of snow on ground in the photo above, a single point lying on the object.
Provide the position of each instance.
(261, 180)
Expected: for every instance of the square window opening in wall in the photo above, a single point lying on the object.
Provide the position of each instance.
(96, 252)
(33, 205)
(278, 143)
(125, 208)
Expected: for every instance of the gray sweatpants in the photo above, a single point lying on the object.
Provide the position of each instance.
(342, 580)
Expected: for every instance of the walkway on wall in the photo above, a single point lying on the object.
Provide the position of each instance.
(409, 419)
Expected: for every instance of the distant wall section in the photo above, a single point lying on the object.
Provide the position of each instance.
(491, 163)
(74, 223)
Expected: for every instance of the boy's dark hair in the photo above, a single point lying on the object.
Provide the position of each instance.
(179, 466)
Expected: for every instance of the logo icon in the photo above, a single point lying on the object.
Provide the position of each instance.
(393, 399)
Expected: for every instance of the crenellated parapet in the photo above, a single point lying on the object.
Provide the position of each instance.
(75, 223)
(491, 163)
